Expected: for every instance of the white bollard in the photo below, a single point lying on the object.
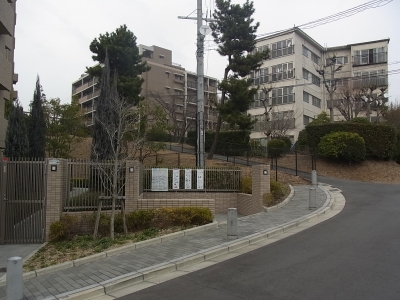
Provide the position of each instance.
(313, 198)
(14, 283)
(232, 223)
(314, 180)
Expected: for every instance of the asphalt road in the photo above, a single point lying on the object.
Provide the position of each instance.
(354, 255)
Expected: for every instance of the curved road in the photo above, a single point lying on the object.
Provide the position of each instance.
(354, 255)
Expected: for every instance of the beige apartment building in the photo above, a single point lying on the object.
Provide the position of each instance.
(169, 80)
(7, 76)
(297, 91)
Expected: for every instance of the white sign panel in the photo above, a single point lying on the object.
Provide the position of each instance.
(188, 179)
(200, 179)
(159, 179)
(175, 179)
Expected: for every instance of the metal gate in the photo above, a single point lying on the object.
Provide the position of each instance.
(22, 201)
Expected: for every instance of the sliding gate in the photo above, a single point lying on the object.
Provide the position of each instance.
(22, 201)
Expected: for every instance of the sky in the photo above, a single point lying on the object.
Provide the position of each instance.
(53, 36)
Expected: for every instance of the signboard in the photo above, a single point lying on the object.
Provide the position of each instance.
(54, 161)
(159, 179)
(175, 179)
(188, 179)
(200, 179)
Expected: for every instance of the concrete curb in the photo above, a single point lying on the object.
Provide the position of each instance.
(283, 203)
(128, 279)
(111, 252)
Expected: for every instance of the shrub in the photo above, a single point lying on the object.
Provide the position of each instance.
(104, 223)
(343, 145)
(256, 149)
(276, 148)
(360, 120)
(287, 141)
(278, 190)
(140, 219)
(79, 182)
(183, 216)
(302, 142)
(230, 143)
(246, 185)
(63, 229)
(379, 139)
(397, 156)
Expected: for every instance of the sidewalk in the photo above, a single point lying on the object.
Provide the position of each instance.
(116, 271)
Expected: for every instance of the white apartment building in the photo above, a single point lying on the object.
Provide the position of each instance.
(298, 90)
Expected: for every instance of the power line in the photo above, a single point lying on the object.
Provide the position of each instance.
(337, 16)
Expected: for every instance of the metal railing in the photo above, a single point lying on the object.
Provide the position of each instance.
(215, 179)
(88, 182)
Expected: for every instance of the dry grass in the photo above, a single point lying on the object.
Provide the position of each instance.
(369, 171)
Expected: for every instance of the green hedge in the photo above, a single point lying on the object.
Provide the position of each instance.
(380, 140)
(229, 143)
(347, 146)
(276, 148)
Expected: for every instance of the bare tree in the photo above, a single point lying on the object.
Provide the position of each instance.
(330, 68)
(373, 95)
(122, 126)
(178, 114)
(349, 103)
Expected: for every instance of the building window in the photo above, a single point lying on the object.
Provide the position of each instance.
(306, 97)
(316, 101)
(147, 53)
(306, 120)
(305, 51)
(306, 74)
(370, 56)
(178, 77)
(339, 60)
(260, 49)
(315, 80)
(260, 76)
(283, 95)
(281, 48)
(282, 71)
(315, 58)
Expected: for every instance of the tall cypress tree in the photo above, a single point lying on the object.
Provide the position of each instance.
(37, 124)
(102, 148)
(17, 144)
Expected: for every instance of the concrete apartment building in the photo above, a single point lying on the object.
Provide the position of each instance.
(7, 76)
(297, 88)
(169, 80)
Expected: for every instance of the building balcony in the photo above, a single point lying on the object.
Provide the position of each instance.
(83, 87)
(369, 59)
(5, 74)
(15, 78)
(365, 82)
(89, 96)
(15, 95)
(6, 18)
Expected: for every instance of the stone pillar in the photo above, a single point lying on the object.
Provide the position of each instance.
(132, 185)
(261, 184)
(57, 188)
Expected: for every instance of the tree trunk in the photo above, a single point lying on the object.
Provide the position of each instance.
(123, 217)
(96, 224)
(114, 197)
(216, 137)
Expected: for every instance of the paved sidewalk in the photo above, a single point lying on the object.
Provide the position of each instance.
(65, 282)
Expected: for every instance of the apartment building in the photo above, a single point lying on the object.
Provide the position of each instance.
(7, 75)
(290, 84)
(169, 80)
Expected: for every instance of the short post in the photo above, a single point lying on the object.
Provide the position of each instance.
(314, 180)
(232, 223)
(14, 283)
(313, 198)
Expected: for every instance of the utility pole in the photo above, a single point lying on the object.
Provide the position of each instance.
(200, 161)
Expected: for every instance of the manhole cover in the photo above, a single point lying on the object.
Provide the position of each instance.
(3, 270)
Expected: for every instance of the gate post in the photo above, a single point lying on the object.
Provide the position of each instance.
(3, 174)
(56, 192)
(132, 186)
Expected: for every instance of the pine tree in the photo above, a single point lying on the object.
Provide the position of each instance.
(17, 144)
(124, 60)
(234, 33)
(37, 124)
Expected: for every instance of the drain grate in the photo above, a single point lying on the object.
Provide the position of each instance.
(3, 270)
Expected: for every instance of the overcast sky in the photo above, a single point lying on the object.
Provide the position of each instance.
(53, 37)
